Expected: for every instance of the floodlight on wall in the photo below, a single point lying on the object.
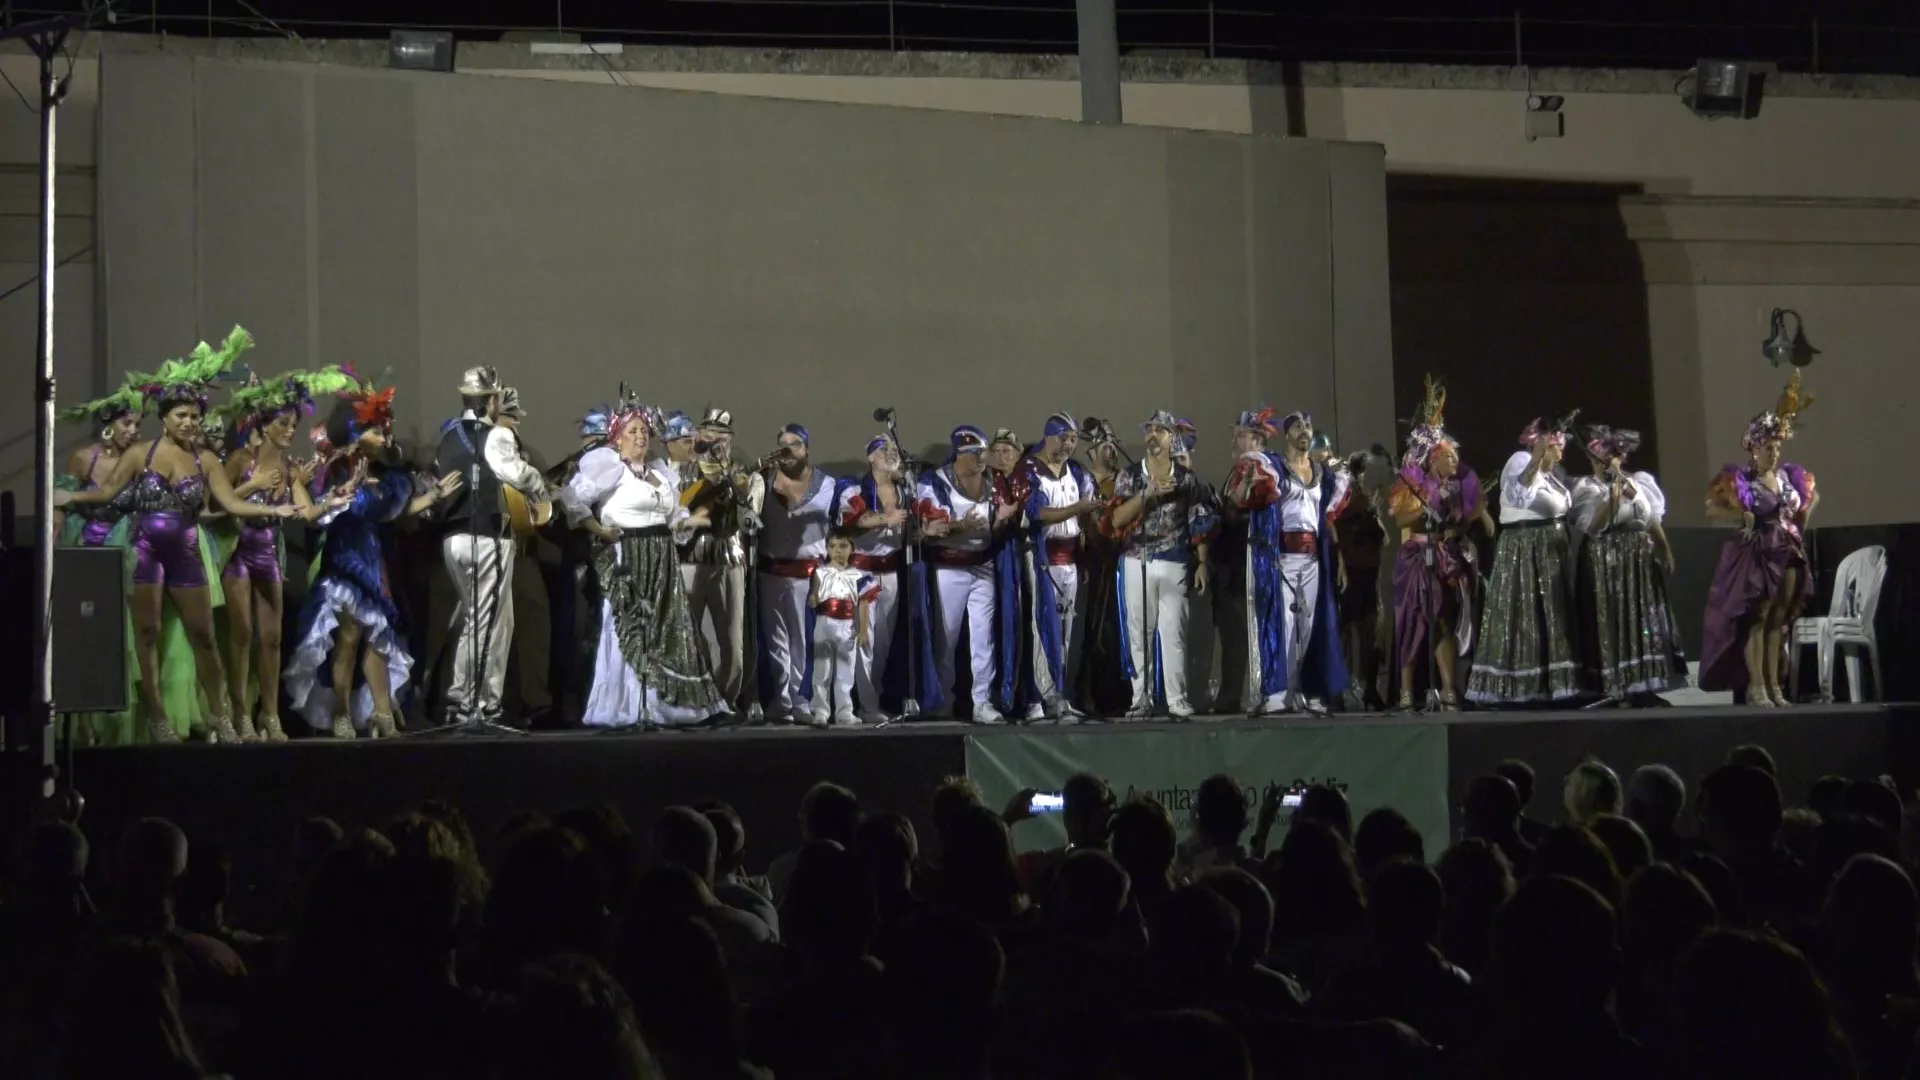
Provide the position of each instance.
(420, 50)
(1726, 89)
(1782, 347)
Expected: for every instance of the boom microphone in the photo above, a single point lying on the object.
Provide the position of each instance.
(883, 414)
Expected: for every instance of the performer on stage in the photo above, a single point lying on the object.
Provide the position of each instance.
(573, 594)
(1526, 653)
(1164, 523)
(679, 435)
(1361, 539)
(1059, 495)
(118, 418)
(1629, 647)
(713, 559)
(1101, 685)
(350, 624)
(266, 419)
(1434, 501)
(1227, 584)
(841, 598)
(474, 544)
(1293, 652)
(1005, 451)
(1763, 579)
(876, 510)
(648, 668)
(171, 479)
(964, 513)
(793, 542)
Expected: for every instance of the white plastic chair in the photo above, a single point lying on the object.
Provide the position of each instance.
(1848, 625)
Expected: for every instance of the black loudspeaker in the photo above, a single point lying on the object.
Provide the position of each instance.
(89, 629)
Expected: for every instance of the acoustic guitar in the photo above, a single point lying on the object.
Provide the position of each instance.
(526, 517)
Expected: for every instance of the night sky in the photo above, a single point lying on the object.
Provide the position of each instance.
(1851, 35)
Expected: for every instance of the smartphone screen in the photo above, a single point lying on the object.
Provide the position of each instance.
(1292, 799)
(1047, 802)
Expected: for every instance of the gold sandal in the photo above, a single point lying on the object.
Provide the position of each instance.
(270, 730)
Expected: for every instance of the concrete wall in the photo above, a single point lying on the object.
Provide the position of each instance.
(1516, 271)
(790, 260)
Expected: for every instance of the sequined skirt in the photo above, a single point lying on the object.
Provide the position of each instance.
(1525, 646)
(1628, 642)
(639, 576)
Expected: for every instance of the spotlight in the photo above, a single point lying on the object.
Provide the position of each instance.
(420, 50)
(1782, 346)
(1726, 89)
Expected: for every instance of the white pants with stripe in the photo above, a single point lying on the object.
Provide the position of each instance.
(834, 663)
(783, 622)
(1156, 602)
(870, 668)
(482, 572)
(1299, 598)
(966, 598)
(1065, 612)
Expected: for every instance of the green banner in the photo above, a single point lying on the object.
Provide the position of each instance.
(1377, 764)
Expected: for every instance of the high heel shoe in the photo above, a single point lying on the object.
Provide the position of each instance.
(1779, 699)
(160, 731)
(1758, 698)
(381, 726)
(342, 726)
(243, 724)
(220, 730)
(270, 730)
(1406, 700)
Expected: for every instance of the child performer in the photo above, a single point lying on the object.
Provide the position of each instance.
(842, 600)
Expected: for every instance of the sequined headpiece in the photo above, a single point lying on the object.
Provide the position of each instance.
(597, 423)
(631, 410)
(259, 402)
(1294, 419)
(1259, 423)
(1429, 427)
(679, 426)
(1777, 423)
(1060, 423)
(1605, 442)
(1185, 436)
(878, 443)
(1555, 432)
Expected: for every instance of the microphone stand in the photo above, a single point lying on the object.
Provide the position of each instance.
(909, 558)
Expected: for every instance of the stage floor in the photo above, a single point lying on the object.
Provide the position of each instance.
(250, 798)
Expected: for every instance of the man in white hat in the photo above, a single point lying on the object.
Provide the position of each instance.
(475, 544)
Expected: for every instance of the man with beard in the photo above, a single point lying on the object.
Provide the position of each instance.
(1059, 493)
(1165, 522)
(713, 559)
(962, 508)
(798, 514)
(879, 505)
(1288, 499)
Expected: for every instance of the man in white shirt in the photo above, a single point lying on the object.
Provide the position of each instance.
(797, 516)
(475, 544)
(1058, 495)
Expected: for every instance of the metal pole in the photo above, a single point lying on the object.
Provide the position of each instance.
(893, 41)
(1210, 36)
(51, 91)
(1099, 62)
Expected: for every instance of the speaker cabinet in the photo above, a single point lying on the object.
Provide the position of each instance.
(89, 629)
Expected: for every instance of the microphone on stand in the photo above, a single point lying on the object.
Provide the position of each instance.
(884, 414)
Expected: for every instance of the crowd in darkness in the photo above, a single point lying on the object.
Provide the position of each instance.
(1652, 935)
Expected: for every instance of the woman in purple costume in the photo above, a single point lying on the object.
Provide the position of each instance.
(1433, 502)
(119, 418)
(169, 480)
(1763, 579)
(265, 418)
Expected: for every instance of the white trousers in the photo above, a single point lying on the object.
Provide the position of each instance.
(717, 604)
(1157, 604)
(485, 563)
(1065, 613)
(1299, 599)
(966, 597)
(783, 622)
(870, 670)
(835, 659)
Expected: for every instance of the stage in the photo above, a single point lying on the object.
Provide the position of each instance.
(250, 798)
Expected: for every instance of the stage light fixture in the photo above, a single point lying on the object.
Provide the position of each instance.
(1726, 89)
(420, 50)
(1782, 347)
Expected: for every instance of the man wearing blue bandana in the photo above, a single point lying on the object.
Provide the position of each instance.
(1059, 496)
(797, 517)
(1294, 660)
(962, 509)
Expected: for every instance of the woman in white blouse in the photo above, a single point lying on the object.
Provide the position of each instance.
(1525, 650)
(1628, 647)
(648, 667)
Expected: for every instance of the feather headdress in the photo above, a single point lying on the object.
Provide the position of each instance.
(129, 399)
(1605, 442)
(192, 378)
(1429, 426)
(1777, 423)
